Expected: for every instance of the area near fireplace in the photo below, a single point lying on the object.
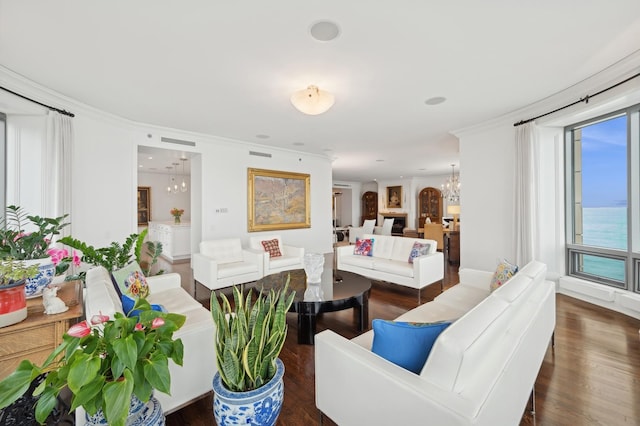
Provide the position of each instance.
(399, 223)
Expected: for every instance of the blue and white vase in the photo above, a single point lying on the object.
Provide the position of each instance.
(140, 414)
(46, 271)
(257, 407)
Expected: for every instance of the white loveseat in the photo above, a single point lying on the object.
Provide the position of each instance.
(481, 369)
(390, 262)
(195, 377)
(223, 263)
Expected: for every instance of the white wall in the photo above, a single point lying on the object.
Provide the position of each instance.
(161, 201)
(105, 177)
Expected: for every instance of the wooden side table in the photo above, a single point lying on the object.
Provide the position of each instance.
(39, 334)
(452, 243)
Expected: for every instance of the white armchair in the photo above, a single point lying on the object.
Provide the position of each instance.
(292, 257)
(386, 227)
(358, 232)
(223, 263)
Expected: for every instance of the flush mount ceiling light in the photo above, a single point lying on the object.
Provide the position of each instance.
(324, 30)
(312, 101)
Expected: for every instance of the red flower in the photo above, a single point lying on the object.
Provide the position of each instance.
(139, 327)
(157, 322)
(81, 329)
(76, 259)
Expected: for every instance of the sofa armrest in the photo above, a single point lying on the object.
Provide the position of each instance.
(256, 256)
(356, 386)
(205, 269)
(163, 282)
(428, 268)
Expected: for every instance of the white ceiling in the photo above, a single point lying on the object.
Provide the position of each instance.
(228, 68)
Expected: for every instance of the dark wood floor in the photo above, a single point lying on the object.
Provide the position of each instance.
(591, 377)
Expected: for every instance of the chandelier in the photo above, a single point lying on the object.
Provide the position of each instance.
(451, 188)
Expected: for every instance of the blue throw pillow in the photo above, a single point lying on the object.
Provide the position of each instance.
(128, 303)
(406, 344)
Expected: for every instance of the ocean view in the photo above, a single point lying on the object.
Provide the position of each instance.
(605, 227)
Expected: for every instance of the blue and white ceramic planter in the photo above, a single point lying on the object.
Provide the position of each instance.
(140, 414)
(46, 271)
(260, 407)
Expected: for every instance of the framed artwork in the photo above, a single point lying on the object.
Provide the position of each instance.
(277, 200)
(144, 205)
(394, 197)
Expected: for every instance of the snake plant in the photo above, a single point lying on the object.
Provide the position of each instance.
(250, 336)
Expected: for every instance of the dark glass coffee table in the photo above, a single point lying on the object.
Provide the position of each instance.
(352, 292)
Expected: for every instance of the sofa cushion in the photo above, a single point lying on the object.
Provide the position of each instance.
(272, 247)
(462, 296)
(504, 271)
(418, 249)
(395, 267)
(402, 247)
(364, 247)
(359, 261)
(406, 344)
(283, 261)
(222, 251)
(227, 270)
(384, 245)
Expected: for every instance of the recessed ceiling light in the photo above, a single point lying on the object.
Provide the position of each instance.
(435, 100)
(261, 136)
(324, 30)
(298, 144)
(140, 166)
(150, 158)
(379, 161)
(327, 150)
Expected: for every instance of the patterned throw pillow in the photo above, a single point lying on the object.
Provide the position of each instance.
(364, 246)
(504, 271)
(418, 249)
(130, 284)
(406, 344)
(272, 247)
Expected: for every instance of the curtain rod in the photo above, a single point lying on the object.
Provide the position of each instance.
(585, 100)
(61, 111)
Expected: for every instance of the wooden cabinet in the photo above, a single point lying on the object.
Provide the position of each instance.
(369, 206)
(429, 206)
(452, 243)
(39, 334)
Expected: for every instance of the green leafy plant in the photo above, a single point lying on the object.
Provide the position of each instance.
(103, 362)
(250, 336)
(15, 270)
(116, 255)
(25, 237)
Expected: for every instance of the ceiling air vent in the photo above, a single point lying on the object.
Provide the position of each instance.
(260, 154)
(177, 141)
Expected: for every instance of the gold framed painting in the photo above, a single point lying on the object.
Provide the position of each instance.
(394, 197)
(144, 205)
(278, 200)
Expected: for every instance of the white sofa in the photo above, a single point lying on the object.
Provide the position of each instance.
(292, 257)
(223, 263)
(390, 262)
(481, 369)
(195, 377)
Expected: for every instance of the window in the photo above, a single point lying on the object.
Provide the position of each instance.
(602, 180)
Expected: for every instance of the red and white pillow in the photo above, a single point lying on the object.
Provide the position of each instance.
(272, 247)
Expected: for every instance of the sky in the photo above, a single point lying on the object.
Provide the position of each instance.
(604, 163)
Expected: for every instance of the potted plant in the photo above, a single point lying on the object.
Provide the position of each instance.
(110, 366)
(26, 238)
(116, 255)
(13, 303)
(249, 337)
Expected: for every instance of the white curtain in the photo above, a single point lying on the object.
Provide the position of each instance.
(57, 167)
(526, 193)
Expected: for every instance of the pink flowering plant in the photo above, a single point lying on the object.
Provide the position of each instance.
(25, 237)
(103, 362)
(61, 259)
